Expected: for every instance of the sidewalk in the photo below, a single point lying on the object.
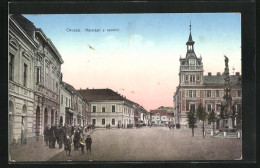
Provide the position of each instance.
(36, 151)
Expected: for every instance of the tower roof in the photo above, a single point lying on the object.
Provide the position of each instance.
(190, 41)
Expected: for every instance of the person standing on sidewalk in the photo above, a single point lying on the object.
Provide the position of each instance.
(46, 135)
(88, 143)
(67, 145)
(82, 143)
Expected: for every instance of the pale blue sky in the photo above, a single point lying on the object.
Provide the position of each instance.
(141, 60)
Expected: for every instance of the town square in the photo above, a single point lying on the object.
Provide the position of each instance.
(147, 87)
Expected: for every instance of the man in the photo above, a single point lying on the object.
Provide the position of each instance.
(88, 143)
(46, 135)
(76, 140)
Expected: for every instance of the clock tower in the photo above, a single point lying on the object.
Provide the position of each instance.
(191, 67)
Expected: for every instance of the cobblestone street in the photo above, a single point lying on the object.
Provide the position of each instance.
(155, 144)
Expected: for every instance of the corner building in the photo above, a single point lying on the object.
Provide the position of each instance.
(195, 88)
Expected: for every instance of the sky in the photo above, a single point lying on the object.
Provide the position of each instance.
(140, 58)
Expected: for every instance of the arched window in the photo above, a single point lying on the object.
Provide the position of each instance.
(11, 107)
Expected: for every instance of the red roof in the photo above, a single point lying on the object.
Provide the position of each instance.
(161, 112)
(100, 94)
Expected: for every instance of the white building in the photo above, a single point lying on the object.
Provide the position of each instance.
(161, 117)
(34, 75)
(108, 107)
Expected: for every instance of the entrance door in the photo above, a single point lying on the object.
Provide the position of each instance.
(52, 117)
(38, 121)
(10, 133)
(45, 118)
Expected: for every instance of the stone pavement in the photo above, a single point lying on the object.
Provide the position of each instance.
(35, 151)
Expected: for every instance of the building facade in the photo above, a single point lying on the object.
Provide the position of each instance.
(161, 117)
(34, 74)
(74, 107)
(195, 88)
(109, 107)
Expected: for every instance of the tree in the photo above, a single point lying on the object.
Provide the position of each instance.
(202, 115)
(191, 120)
(212, 118)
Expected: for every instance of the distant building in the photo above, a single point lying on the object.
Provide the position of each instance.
(194, 88)
(74, 107)
(161, 117)
(109, 107)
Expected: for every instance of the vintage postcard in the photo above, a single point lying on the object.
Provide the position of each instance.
(125, 87)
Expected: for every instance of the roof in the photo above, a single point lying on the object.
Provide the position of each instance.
(190, 41)
(101, 94)
(29, 28)
(26, 25)
(161, 112)
(219, 79)
(70, 88)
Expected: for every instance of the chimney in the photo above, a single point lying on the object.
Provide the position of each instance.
(209, 73)
(237, 74)
(218, 73)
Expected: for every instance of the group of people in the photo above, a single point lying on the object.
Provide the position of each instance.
(65, 135)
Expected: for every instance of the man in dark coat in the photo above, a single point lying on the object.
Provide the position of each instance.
(50, 136)
(46, 135)
(61, 136)
(76, 140)
(88, 143)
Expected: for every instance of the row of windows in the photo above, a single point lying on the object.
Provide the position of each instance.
(192, 93)
(191, 77)
(103, 110)
(68, 101)
(25, 75)
(103, 120)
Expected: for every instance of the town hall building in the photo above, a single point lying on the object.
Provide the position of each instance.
(195, 88)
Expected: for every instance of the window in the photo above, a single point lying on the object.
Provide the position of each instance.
(208, 93)
(46, 76)
(190, 93)
(192, 107)
(218, 107)
(217, 93)
(66, 101)
(113, 108)
(239, 93)
(186, 77)
(113, 121)
(53, 83)
(103, 109)
(209, 107)
(103, 121)
(61, 99)
(11, 67)
(194, 93)
(94, 109)
(25, 75)
(69, 102)
(198, 77)
(38, 75)
(94, 121)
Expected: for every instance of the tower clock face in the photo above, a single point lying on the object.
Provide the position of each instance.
(192, 62)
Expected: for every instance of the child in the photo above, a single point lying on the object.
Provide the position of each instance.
(82, 144)
(67, 145)
(88, 143)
